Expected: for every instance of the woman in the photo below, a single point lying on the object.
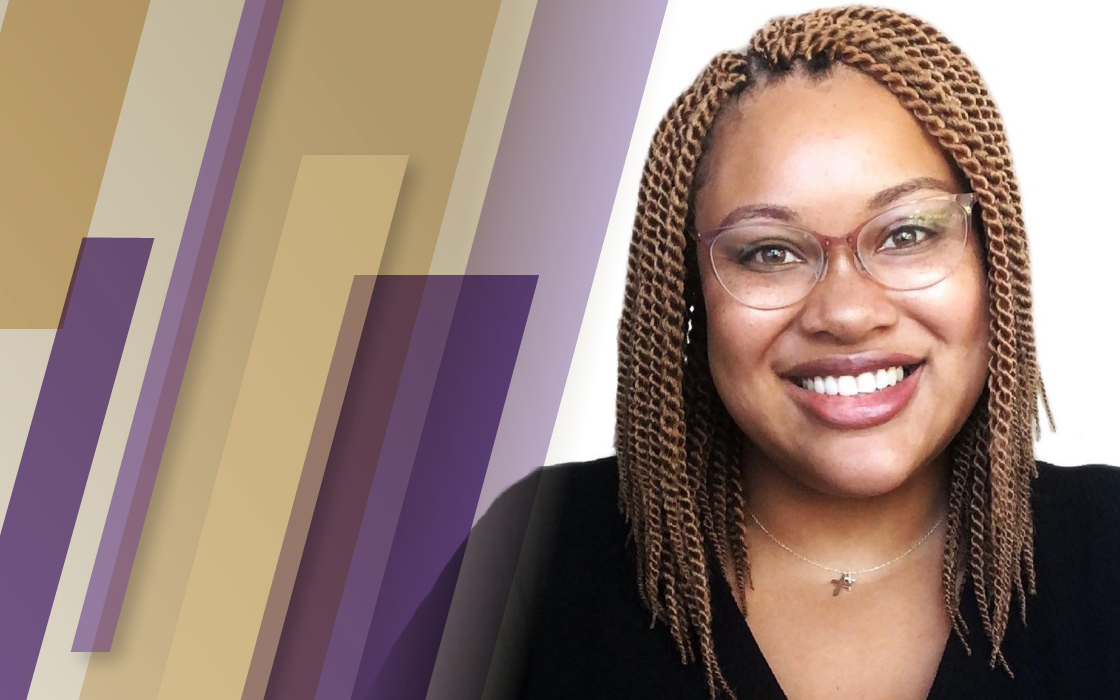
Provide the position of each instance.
(827, 398)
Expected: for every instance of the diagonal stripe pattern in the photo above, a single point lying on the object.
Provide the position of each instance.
(470, 391)
(336, 226)
(362, 428)
(64, 432)
(366, 574)
(177, 324)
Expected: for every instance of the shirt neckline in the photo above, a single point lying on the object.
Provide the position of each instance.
(752, 675)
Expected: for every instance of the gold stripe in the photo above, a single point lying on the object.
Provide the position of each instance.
(64, 67)
(336, 227)
(488, 119)
(299, 523)
(344, 76)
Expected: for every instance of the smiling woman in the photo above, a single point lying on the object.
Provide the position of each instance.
(835, 152)
(825, 482)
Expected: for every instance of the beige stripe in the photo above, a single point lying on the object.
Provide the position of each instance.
(488, 119)
(460, 222)
(145, 191)
(336, 227)
(344, 76)
(322, 436)
(23, 364)
(64, 67)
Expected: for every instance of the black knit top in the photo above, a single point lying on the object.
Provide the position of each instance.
(586, 633)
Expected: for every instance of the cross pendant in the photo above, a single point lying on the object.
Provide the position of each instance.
(844, 582)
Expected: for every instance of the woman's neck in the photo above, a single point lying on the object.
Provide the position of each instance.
(837, 530)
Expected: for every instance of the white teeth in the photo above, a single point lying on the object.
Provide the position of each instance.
(848, 385)
(866, 383)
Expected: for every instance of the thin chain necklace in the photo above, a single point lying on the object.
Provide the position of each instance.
(846, 578)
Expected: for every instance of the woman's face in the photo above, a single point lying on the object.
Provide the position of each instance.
(832, 153)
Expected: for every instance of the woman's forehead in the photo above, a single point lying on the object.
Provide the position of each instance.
(806, 142)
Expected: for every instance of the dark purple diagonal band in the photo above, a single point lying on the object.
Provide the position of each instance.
(571, 118)
(451, 460)
(65, 428)
(386, 495)
(570, 123)
(177, 324)
(346, 484)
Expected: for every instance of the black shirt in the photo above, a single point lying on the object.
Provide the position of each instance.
(585, 633)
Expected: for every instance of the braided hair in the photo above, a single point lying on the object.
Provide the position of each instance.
(679, 451)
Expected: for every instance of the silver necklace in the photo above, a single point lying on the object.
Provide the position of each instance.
(846, 578)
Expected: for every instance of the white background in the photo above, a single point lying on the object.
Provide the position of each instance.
(1052, 70)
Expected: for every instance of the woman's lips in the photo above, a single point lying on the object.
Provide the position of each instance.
(862, 410)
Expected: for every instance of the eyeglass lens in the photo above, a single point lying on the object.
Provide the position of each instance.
(910, 246)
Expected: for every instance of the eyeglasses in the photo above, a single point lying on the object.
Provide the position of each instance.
(909, 246)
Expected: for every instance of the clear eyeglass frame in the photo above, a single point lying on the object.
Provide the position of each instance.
(966, 201)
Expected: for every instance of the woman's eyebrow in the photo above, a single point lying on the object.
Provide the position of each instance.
(878, 201)
(759, 211)
(889, 195)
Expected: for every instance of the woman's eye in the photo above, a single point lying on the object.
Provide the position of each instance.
(906, 237)
(767, 256)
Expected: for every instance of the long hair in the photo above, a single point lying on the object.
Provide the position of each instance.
(679, 452)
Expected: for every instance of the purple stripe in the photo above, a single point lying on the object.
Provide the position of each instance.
(177, 324)
(394, 466)
(347, 480)
(407, 670)
(561, 156)
(558, 166)
(65, 428)
(451, 461)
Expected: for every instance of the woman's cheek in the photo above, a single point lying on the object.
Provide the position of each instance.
(736, 353)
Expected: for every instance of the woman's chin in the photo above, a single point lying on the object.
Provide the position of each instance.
(856, 477)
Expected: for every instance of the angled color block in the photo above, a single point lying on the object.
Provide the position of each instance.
(337, 222)
(64, 67)
(466, 405)
(484, 133)
(60, 445)
(390, 482)
(318, 451)
(345, 487)
(319, 96)
(177, 325)
(579, 53)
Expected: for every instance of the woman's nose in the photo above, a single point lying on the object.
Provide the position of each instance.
(847, 303)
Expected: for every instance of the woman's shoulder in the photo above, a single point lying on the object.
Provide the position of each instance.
(585, 486)
(1088, 494)
(1073, 621)
(1077, 508)
(571, 510)
(573, 492)
(580, 500)
(1079, 476)
(1077, 547)
(594, 476)
(587, 631)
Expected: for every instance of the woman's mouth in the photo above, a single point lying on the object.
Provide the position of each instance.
(854, 385)
(856, 401)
